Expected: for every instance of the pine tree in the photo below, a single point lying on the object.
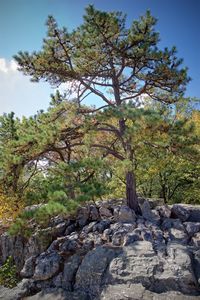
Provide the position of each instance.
(103, 56)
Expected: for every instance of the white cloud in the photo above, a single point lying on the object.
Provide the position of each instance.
(6, 67)
(18, 94)
(3, 67)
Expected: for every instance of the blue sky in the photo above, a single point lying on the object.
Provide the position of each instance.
(22, 27)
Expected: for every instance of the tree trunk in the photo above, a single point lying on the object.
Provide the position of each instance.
(131, 195)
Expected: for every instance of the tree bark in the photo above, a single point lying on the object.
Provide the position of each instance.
(131, 196)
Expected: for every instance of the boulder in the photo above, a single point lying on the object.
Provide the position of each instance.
(164, 211)
(153, 202)
(119, 231)
(88, 228)
(138, 292)
(138, 263)
(192, 228)
(196, 263)
(126, 215)
(105, 212)
(101, 226)
(59, 229)
(83, 216)
(94, 213)
(91, 272)
(29, 267)
(71, 228)
(148, 214)
(194, 213)
(131, 238)
(178, 235)
(66, 278)
(18, 292)
(196, 240)
(107, 235)
(167, 224)
(15, 247)
(133, 265)
(70, 243)
(178, 211)
(47, 266)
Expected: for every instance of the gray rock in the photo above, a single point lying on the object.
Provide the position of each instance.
(39, 242)
(95, 238)
(127, 258)
(120, 231)
(59, 229)
(147, 235)
(194, 213)
(153, 202)
(172, 223)
(69, 272)
(164, 211)
(178, 271)
(116, 212)
(134, 265)
(18, 292)
(47, 265)
(148, 214)
(57, 294)
(126, 215)
(101, 226)
(196, 240)
(56, 244)
(192, 228)
(15, 247)
(118, 238)
(140, 221)
(131, 238)
(88, 228)
(70, 243)
(66, 278)
(29, 267)
(91, 272)
(178, 211)
(138, 292)
(196, 263)
(71, 228)
(107, 234)
(178, 235)
(158, 235)
(105, 212)
(138, 263)
(94, 213)
(123, 291)
(83, 216)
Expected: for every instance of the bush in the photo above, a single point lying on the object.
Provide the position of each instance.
(8, 274)
(26, 222)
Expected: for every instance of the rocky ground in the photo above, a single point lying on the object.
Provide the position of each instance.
(109, 253)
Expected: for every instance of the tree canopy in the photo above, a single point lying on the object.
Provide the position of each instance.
(141, 140)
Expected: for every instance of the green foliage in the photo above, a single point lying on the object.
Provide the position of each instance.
(8, 274)
(27, 221)
(74, 153)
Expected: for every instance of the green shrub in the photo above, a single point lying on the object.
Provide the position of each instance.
(27, 221)
(8, 274)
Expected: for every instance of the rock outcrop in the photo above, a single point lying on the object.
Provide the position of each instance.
(107, 253)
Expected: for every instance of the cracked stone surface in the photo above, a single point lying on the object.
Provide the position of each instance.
(107, 252)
